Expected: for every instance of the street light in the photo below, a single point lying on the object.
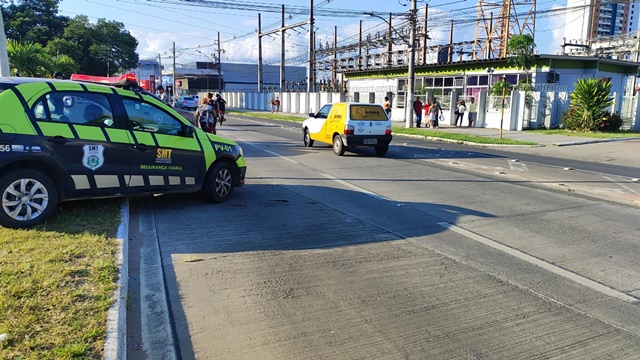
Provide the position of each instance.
(408, 114)
(211, 60)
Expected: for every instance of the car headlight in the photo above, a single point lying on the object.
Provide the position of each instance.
(238, 150)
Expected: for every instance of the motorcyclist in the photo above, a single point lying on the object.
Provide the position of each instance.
(220, 106)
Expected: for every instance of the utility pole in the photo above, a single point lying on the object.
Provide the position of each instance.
(389, 42)
(311, 57)
(173, 86)
(450, 52)
(159, 70)
(334, 64)
(280, 31)
(412, 65)
(282, 51)
(219, 65)
(426, 35)
(259, 54)
(360, 47)
(5, 70)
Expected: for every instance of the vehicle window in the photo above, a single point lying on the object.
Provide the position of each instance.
(75, 108)
(324, 111)
(146, 117)
(368, 112)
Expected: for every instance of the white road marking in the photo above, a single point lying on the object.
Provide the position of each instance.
(619, 183)
(354, 187)
(603, 289)
(280, 156)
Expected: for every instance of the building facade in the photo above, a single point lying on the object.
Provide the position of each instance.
(590, 19)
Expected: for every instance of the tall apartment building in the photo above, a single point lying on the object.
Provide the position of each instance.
(590, 19)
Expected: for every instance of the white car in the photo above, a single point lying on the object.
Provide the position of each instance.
(187, 102)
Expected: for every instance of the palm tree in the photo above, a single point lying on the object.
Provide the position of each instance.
(28, 59)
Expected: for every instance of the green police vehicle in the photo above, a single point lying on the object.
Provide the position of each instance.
(96, 137)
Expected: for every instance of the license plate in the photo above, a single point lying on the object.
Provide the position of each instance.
(370, 141)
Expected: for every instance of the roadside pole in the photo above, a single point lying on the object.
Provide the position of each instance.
(4, 55)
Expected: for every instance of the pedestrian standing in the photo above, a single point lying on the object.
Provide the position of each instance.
(460, 110)
(417, 110)
(434, 113)
(473, 111)
(204, 116)
(272, 105)
(387, 105)
(276, 103)
(426, 107)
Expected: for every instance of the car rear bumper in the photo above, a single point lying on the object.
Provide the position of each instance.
(366, 140)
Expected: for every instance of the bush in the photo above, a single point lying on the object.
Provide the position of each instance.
(589, 103)
(613, 123)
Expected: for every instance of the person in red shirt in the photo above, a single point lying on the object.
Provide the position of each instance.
(417, 110)
(426, 107)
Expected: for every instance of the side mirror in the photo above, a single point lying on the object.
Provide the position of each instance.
(312, 115)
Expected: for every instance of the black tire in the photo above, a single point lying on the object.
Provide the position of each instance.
(338, 146)
(218, 186)
(308, 142)
(28, 197)
(382, 150)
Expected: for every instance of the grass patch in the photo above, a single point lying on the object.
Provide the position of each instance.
(589, 134)
(460, 137)
(270, 116)
(56, 283)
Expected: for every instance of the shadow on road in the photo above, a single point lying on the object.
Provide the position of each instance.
(274, 218)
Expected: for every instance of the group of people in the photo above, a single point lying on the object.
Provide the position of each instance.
(209, 111)
(461, 108)
(275, 105)
(433, 112)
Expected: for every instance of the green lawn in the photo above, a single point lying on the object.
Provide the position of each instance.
(268, 115)
(57, 282)
(595, 134)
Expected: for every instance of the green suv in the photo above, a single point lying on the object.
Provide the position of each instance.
(101, 137)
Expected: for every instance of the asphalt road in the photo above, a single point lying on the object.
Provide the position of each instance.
(433, 252)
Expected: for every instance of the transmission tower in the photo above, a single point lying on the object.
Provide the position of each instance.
(493, 32)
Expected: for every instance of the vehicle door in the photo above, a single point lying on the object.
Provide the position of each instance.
(166, 156)
(82, 136)
(335, 122)
(316, 123)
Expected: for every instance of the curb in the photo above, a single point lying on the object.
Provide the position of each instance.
(461, 142)
(593, 141)
(116, 340)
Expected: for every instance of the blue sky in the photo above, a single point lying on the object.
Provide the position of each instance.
(158, 23)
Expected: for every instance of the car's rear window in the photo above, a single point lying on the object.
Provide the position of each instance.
(368, 112)
(188, 98)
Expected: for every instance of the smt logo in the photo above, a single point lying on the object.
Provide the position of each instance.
(93, 157)
(163, 156)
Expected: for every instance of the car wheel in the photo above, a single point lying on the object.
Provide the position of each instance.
(382, 150)
(29, 197)
(338, 146)
(218, 185)
(307, 139)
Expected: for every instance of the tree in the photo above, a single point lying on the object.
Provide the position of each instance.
(98, 49)
(590, 101)
(106, 47)
(521, 49)
(35, 21)
(27, 59)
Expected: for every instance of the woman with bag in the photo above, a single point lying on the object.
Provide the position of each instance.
(460, 110)
(204, 115)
